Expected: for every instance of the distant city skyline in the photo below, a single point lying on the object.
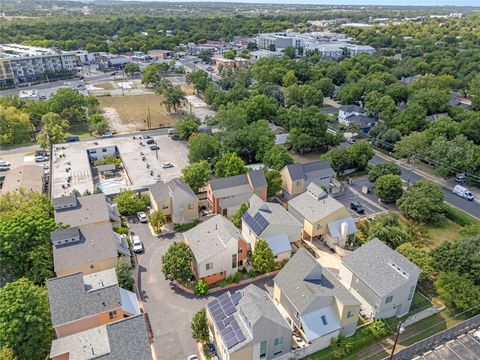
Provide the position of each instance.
(348, 2)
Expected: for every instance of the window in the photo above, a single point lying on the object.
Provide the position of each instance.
(164, 206)
(299, 183)
(319, 226)
(410, 294)
(324, 320)
(234, 261)
(349, 314)
(190, 206)
(277, 353)
(279, 341)
(209, 266)
(389, 299)
(112, 314)
(240, 262)
(104, 150)
(240, 250)
(263, 349)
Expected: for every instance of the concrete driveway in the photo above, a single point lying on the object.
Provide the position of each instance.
(347, 197)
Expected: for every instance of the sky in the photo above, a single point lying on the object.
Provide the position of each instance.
(355, 2)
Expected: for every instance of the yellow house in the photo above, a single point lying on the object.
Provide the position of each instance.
(322, 215)
(175, 200)
(318, 306)
(80, 302)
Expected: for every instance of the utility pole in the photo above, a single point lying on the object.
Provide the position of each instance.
(400, 330)
(149, 120)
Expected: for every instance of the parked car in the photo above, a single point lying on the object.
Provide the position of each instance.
(476, 335)
(72, 138)
(106, 135)
(175, 137)
(154, 147)
(357, 207)
(41, 158)
(462, 192)
(352, 140)
(4, 167)
(150, 141)
(167, 165)
(137, 244)
(460, 178)
(171, 131)
(142, 217)
(4, 162)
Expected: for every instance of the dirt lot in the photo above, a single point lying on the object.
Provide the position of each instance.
(133, 110)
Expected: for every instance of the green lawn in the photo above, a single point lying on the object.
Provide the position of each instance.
(445, 231)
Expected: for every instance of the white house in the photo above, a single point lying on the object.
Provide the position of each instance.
(381, 279)
(353, 114)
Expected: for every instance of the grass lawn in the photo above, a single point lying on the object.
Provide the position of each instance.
(445, 231)
(81, 130)
(133, 109)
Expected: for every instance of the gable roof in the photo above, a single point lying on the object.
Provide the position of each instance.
(123, 339)
(303, 280)
(279, 243)
(163, 190)
(211, 237)
(314, 169)
(362, 120)
(352, 108)
(381, 268)
(89, 210)
(255, 177)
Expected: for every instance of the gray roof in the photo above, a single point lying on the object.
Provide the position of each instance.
(89, 210)
(318, 169)
(211, 237)
(124, 339)
(362, 120)
(314, 204)
(62, 234)
(256, 177)
(352, 108)
(70, 300)
(63, 200)
(303, 280)
(279, 243)
(97, 243)
(381, 268)
(162, 191)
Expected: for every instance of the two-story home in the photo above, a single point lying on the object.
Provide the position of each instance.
(246, 325)
(124, 339)
(297, 177)
(319, 307)
(175, 200)
(218, 249)
(225, 195)
(273, 223)
(87, 249)
(80, 302)
(383, 280)
(354, 114)
(322, 216)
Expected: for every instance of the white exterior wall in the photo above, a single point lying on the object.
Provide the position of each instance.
(343, 116)
(294, 232)
(102, 152)
(222, 261)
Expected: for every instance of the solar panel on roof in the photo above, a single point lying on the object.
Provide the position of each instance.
(230, 310)
(231, 343)
(235, 326)
(262, 222)
(240, 336)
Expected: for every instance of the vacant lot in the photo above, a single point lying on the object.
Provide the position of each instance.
(134, 109)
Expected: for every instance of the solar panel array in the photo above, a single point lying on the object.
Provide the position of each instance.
(222, 309)
(257, 223)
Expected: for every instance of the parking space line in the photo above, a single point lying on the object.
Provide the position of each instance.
(470, 351)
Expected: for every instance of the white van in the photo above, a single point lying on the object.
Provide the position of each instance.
(462, 192)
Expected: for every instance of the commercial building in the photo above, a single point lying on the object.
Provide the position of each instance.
(21, 64)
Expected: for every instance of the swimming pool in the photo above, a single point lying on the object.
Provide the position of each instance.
(107, 185)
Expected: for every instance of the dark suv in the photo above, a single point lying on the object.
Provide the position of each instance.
(357, 207)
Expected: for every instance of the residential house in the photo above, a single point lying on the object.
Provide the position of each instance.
(381, 279)
(273, 223)
(175, 200)
(27, 177)
(80, 302)
(297, 177)
(85, 210)
(124, 339)
(435, 117)
(87, 249)
(318, 306)
(353, 50)
(218, 249)
(247, 325)
(225, 195)
(410, 79)
(353, 114)
(322, 216)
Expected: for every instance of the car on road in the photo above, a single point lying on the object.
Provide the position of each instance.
(106, 135)
(357, 207)
(4, 163)
(167, 165)
(137, 244)
(41, 158)
(72, 138)
(142, 217)
(462, 192)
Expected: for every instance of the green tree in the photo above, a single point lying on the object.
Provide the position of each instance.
(26, 221)
(361, 152)
(263, 260)
(176, 262)
(230, 164)
(389, 188)
(434, 101)
(156, 219)
(196, 175)
(415, 143)
(25, 319)
(109, 159)
(151, 75)
(419, 257)
(124, 274)
(326, 86)
(187, 126)
(199, 79)
(290, 52)
(7, 354)
(423, 202)
(203, 147)
(277, 157)
(274, 182)
(341, 346)
(131, 68)
(383, 169)
(66, 98)
(15, 126)
(289, 79)
(130, 203)
(229, 54)
(173, 96)
(458, 292)
(199, 325)
(201, 288)
(97, 124)
(53, 130)
(388, 228)
(237, 217)
(308, 130)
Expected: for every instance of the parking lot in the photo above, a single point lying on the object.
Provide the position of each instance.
(172, 151)
(464, 347)
(347, 197)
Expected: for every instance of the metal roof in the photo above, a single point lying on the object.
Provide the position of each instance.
(320, 322)
(279, 243)
(335, 227)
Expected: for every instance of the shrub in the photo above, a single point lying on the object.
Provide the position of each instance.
(378, 329)
(341, 347)
(187, 226)
(109, 159)
(201, 288)
(121, 230)
(124, 274)
(199, 326)
(129, 202)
